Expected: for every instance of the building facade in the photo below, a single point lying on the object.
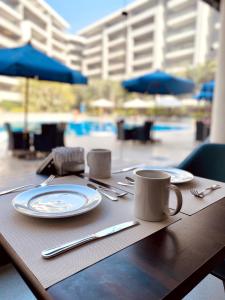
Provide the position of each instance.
(35, 21)
(152, 34)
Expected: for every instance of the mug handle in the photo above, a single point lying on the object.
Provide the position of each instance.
(88, 159)
(179, 201)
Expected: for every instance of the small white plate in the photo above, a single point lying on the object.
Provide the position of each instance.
(177, 175)
(57, 201)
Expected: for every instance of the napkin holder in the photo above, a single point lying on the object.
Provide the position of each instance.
(63, 161)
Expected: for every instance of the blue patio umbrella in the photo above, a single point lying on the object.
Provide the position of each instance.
(26, 61)
(160, 83)
(207, 91)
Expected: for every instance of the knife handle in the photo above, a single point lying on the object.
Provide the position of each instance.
(67, 246)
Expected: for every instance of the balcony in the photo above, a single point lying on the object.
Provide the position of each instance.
(174, 70)
(58, 55)
(74, 56)
(40, 46)
(10, 27)
(92, 50)
(142, 16)
(94, 72)
(179, 53)
(116, 54)
(93, 60)
(142, 60)
(11, 13)
(94, 39)
(117, 77)
(178, 4)
(141, 72)
(6, 42)
(28, 5)
(142, 31)
(115, 67)
(182, 19)
(116, 42)
(59, 33)
(59, 45)
(144, 46)
(75, 66)
(43, 34)
(180, 36)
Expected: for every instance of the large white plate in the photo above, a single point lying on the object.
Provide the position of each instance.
(57, 201)
(177, 175)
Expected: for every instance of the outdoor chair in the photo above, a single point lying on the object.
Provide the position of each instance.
(18, 142)
(123, 133)
(202, 131)
(208, 161)
(142, 133)
(52, 136)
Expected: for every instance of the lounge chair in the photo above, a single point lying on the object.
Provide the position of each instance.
(208, 161)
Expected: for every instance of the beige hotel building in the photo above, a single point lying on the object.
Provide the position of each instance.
(153, 34)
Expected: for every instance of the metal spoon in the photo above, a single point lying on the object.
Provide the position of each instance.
(101, 191)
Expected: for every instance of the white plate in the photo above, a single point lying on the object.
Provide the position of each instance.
(57, 201)
(177, 175)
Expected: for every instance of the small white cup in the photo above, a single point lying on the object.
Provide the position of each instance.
(152, 195)
(99, 162)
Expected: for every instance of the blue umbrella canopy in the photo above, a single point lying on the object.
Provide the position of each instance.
(207, 91)
(28, 62)
(160, 83)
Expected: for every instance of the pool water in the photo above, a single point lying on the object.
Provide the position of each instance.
(85, 128)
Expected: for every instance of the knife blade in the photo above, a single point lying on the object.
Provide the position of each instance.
(98, 235)
(128, 169)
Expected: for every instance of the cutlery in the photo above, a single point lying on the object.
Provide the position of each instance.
(127, 169)
(98, 235)
(202, 194)
(101, 191)
(125, 183)
(129, 179)
(44, 183)
(118, 194)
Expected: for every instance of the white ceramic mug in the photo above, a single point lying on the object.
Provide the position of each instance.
(152, 195)
(99, 162)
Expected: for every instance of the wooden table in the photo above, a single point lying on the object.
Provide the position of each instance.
(165, 265)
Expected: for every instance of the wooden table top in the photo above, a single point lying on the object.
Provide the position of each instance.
(165, 265)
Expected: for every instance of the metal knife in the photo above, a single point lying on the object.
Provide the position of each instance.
(128, 169)
(98, 235)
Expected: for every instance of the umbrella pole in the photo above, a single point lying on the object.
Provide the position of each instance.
(26, 105)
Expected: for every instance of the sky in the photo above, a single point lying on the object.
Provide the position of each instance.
(80, 13)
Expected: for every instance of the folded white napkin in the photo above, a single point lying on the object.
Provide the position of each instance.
(68, 160)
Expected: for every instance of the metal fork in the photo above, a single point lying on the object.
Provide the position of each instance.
(202, 194)
(44, 183)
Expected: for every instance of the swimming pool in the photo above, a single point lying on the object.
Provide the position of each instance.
(85, 128)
